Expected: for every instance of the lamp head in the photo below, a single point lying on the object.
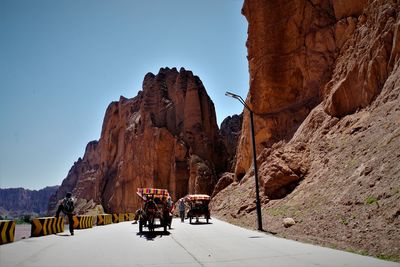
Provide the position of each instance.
(232, 95)
(238, 97)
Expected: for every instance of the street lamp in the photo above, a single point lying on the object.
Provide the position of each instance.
(253, 141)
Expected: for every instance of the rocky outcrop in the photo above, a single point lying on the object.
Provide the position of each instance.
(282, 168)
(226, 179)
(334, 168)
(164, 137)
(15, 202)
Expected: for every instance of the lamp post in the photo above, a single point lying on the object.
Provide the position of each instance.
(253, 141)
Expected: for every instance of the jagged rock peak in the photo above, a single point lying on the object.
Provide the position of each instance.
(167, 136)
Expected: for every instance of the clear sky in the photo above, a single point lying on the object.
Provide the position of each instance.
(63, 61)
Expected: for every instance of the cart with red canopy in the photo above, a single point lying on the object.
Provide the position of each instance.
(154, 212)
(198, 204)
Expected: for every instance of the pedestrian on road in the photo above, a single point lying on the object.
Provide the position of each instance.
(182, 209)
(171, 208)
(67, 206)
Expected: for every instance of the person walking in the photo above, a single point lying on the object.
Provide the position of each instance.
(182, 209)
(67, 206)
(171, 208)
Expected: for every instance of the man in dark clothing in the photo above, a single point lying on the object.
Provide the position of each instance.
(67, 207)
(182, 209)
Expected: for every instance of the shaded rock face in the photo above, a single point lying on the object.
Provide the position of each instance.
(230, 131)
(165, 137)
(337, 173)
(15, 202)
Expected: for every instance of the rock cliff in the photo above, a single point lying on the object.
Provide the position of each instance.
(325, 87)
(291, 53)
(166, 137)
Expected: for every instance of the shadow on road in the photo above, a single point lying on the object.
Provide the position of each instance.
(150, 236)
(267, 232)
(200, 223)
(63, 235)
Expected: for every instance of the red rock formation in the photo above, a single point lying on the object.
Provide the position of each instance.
(366, 60)
(291, 53)
(337, 173)
(165, 137)
(226, 179)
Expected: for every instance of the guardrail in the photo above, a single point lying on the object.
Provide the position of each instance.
(82, 221)
(118, 217)
(7, 231)
(52, 225)
(47, 226)
(103, 219)
(129, 216)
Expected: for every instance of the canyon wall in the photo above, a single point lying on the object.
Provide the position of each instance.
(291, 53)
(325, 87)
(165, 137)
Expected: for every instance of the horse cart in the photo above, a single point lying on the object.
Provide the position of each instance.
(198, 207)
(155, 211)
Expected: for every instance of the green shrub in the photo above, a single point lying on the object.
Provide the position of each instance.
(370, 200)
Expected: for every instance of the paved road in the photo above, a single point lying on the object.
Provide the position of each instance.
(215, 244)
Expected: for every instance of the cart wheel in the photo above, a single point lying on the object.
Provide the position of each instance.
(140, 226)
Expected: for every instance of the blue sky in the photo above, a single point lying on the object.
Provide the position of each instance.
(63, 61)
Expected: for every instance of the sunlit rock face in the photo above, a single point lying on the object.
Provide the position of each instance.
(369, 48)
(165, 137)
(291, 53)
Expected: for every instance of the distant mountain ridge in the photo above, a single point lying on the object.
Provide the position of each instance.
(15, 202)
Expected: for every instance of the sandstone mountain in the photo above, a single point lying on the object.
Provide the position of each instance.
(16, 202)
(325, 88)
(165, 137)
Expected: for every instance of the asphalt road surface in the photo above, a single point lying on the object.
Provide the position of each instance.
(214, 244)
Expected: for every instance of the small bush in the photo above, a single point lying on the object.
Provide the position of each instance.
(344, 221)
(386, 257)
(370, 200)
(23, 219)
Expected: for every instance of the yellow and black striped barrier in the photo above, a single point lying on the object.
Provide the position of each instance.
(115, 218)
(129, 216)
(47, 226)
(7, 230)
(82, 221)
(118, 217)
(103, 219)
